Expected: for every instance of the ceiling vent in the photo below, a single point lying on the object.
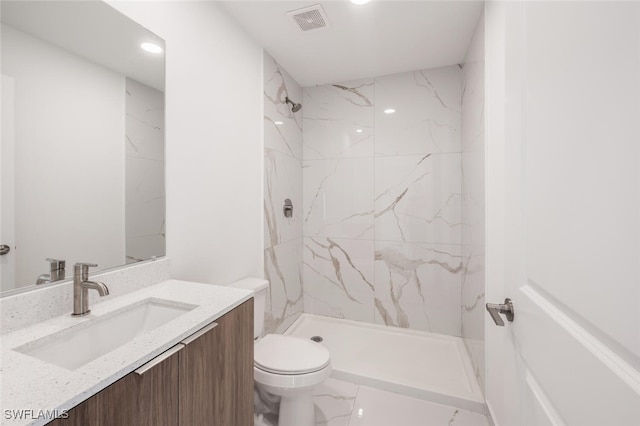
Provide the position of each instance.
(310, 18)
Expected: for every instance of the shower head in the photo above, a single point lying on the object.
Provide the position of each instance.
(294, 106)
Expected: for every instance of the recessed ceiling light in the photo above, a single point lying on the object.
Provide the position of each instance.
(151, 47)
(278, 123)
(389, 111)
(358, 130)
(359, 2)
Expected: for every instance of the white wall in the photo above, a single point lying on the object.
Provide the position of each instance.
(213, 141)
(69, 127)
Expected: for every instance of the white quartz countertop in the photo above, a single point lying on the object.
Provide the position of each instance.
(35, 386)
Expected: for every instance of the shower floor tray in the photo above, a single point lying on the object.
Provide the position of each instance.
(429, 366)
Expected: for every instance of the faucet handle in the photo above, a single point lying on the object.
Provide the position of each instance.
(56, 264)
(83, 268)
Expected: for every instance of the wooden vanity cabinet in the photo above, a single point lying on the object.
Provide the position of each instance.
(147, 399)
(216, 372)
(209, 381)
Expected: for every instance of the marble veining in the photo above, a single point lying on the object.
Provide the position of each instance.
(338, 198)
(334, 400)
(340, 278)
(377, 187)
(418, 286)
(472, 306)
(283, 270)
(285, 137)
(427, 117)
(375, 407)
(362, 98)
(339, 120)
(282, 180)
(418, 198)
(421, 79)
(473, 104)
(342, 403)
(473, 267)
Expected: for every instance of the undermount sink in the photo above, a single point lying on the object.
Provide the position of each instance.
(74, 347)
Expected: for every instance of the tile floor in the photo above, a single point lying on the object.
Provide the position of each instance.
(340, 403)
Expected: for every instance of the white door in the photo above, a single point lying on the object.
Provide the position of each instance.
(7, 184)
(563, 212)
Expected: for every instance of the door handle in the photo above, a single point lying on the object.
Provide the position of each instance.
(505, 308)
(4, 249)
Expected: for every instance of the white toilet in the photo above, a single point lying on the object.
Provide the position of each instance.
(286, 366)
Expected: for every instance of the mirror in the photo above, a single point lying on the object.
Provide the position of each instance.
(82, 148)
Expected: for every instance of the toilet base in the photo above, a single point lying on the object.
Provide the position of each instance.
(295, 392)
(261, 420)
(297, 410)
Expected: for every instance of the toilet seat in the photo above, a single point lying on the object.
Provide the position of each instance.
(286, 355)
(277, 383)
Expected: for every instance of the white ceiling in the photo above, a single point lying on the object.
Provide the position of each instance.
(93, 30)
(379, 38)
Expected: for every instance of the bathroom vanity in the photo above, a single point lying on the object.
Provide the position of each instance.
(195, 369)
(208, 380)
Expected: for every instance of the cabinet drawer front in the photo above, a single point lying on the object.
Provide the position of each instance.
(216, 373)
(150, 399)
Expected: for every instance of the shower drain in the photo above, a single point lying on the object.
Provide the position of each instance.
(317, 339)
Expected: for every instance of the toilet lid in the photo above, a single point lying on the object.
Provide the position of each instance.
(289, 355)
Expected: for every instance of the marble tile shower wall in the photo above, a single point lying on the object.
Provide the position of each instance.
(382, 200)
(283, 179)
(145, 194)
(473, 237)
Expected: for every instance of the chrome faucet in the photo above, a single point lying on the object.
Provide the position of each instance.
(81, 286)
(56, 268)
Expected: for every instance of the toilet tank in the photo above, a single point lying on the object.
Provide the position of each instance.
(259, 287)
